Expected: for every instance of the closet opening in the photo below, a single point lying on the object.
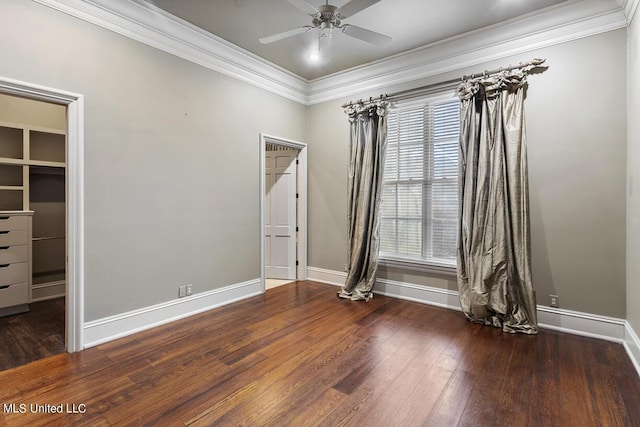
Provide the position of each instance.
(33, 229)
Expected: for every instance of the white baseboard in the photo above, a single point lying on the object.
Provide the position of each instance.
(632, 345)
(444, 298)
(330, 277)
(572, 322)
(578, 323)
(113, 327)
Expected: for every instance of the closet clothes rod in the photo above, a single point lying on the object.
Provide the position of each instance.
(442, 86)
(39, 239)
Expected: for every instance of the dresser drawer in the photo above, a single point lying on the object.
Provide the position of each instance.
(13, 222)
(14, 273)
(14, 295)
(13, 254)
(12, 238)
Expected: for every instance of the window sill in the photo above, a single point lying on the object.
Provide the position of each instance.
(418, 265)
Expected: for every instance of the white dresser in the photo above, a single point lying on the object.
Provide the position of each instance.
(15, 261)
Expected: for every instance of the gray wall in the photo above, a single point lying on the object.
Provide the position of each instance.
(633, 196)
(576, 127)
(164, 141)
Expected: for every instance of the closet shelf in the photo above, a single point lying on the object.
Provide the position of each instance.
(39, 239)
(12, 187)
(24, 162)
(11, 161)
(46, 163)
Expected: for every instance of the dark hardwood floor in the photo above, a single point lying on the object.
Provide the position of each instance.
(34, 335)
(300, 356)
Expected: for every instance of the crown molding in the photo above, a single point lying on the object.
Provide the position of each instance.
(138, 20)
(552, 26)
(630, 7)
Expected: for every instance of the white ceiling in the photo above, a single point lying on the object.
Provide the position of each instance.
(411, 24)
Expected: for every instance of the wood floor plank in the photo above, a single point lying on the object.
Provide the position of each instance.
(33, 335)
(268, 381)
(300, 356)
(544, 404)
(486, 362)
(368, 384)
(605, 392)
(516, 395)
(433, 370)
(576, 405)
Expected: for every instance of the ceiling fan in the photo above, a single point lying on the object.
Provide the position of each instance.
(327, 17)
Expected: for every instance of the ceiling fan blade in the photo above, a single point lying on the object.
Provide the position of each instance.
(365, 35)
(304, 6)
(353, 7)
(284, 35)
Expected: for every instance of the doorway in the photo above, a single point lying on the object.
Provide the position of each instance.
(283, 211)
(66, 274)
(32, 229)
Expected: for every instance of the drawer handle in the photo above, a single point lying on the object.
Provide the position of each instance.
(4, 265)
(2, 218)
(4, 248)
(4, 232)
(4, 287)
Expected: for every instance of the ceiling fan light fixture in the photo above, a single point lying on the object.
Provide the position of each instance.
(327, 17)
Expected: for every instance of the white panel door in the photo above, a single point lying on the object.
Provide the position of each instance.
(280, 215)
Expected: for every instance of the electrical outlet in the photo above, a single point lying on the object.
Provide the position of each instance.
(189, 289)
(182, 291)
(554, 300)
(346, 268)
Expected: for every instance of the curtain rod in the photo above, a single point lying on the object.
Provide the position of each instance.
(432, 88)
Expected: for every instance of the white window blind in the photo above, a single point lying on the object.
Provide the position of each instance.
(419, 212)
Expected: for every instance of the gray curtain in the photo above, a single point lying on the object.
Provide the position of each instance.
(368, 143)
(494, 264)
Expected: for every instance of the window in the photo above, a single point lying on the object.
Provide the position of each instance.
(419, 212)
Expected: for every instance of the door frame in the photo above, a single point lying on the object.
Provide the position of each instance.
(301, 269)
(74, 102)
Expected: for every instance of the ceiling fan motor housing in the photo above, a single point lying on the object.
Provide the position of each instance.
(326, 17)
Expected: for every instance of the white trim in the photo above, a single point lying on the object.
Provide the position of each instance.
(421, 266)
(444, 298)
(138, 20)
(330, 277)
(584, 324)
(632, 345)
(120, 325)
(75, 224)
(152, 26)
(489, 44)
(301, 270)
(75, 197)
(567, 321)
(630, 8)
